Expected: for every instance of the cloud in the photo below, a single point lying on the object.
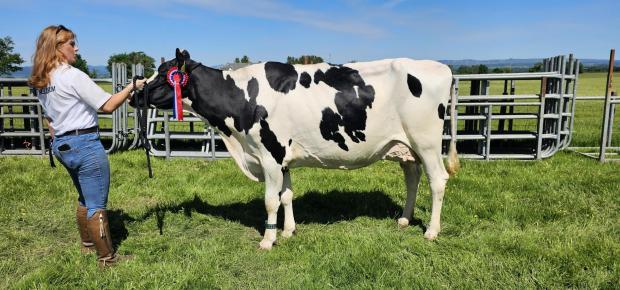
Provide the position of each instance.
(276, 10)
(280, 11)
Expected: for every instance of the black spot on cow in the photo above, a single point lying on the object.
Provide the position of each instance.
(253, 90)
(441, 111)
(414, 85)
(220, 98)
(282, 77)
(290, 141)
(270, 141)
(352, 98)
(319, 75)
(253, 112)
(217, 97)
(305, 79)
(329, 125)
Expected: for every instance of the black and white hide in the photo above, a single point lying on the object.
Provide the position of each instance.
(274, 116)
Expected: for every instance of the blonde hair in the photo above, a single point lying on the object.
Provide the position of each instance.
(47, 54)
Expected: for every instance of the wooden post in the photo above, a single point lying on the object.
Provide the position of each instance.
(606, 109)
(512, 108)
(541, 117)
(470, 125)
(502, 109)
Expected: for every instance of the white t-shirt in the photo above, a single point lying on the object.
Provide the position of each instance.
(72, 99)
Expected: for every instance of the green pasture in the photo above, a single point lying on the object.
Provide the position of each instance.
(544, 224)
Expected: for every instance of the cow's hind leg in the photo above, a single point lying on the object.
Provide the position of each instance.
(273, 185)
(411, 170)
(286, 198)
(437, 177)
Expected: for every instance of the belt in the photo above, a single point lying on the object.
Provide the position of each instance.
(79, 131)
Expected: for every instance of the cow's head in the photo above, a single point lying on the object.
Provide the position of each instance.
(159, 92)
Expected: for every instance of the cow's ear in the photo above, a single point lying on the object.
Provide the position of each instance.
(186, 54)
(179, 56)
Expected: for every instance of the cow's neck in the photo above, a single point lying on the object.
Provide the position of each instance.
(217, 97)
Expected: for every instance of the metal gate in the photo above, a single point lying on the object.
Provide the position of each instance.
(516, 126)
(21, 120)
(493, 123)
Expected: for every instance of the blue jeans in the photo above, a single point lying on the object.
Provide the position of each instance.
(87, 163)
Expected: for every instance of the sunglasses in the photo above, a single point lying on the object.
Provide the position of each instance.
(60, 28)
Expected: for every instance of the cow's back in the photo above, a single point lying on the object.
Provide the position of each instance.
(325, 129)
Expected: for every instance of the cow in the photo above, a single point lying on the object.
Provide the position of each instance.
(275, 116)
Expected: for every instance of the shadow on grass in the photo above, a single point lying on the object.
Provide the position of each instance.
(312, 207)
(116, 221)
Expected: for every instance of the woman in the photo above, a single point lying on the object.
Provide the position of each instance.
(71, 100)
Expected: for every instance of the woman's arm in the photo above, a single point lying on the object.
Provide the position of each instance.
(117, 99)
(48, 122)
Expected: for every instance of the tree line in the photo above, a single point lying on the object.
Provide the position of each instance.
(304, 59)
(9, 61)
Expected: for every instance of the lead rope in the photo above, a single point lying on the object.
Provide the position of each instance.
(142, 110)
(49, 152)
(51, 141)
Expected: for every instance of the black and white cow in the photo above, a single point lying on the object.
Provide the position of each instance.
(274, 116)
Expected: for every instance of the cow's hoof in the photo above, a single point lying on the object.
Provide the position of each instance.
(266, 245)
(431, 234)
(403, 223)
(287, 234)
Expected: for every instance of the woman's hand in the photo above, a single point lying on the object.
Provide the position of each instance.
(140, 84)
(48, 121)
(117, 99)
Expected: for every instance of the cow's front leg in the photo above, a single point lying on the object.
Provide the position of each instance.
(287, 203)
(273, 185)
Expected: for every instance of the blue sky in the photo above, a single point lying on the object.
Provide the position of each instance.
(217, 31)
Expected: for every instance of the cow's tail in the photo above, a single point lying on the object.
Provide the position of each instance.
(453, 158)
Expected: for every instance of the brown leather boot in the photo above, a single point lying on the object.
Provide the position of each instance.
(86, 246)
(99, 230)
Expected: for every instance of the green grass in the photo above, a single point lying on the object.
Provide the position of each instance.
(505, 224)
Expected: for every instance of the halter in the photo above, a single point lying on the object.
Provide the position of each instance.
(177, 78)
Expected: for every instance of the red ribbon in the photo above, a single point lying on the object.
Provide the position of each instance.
(178, 108)
(177, 79)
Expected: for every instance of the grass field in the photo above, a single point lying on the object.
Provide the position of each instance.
(506, 224)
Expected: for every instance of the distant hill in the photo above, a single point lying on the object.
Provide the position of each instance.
(519, 62)
(102, 71)
(493, 63)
